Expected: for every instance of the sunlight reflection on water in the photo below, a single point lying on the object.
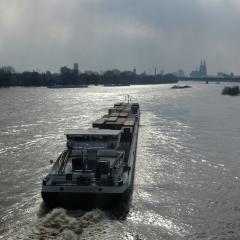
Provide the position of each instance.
(187, 171)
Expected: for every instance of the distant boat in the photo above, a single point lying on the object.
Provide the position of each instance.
(232, 91)
(180, 87)
(67, 86)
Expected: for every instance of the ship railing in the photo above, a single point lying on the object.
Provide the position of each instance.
(56, 167)
(62, 161)
(118, 162)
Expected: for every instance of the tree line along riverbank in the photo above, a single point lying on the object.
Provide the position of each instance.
(9, 77)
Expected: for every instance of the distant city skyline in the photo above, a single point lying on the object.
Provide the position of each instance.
(105, 34)
(199, 71)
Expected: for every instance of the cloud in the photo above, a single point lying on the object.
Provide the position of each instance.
(103, 34)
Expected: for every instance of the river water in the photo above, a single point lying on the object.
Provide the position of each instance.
(187, 172)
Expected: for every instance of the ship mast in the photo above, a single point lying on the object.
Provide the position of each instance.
(128, 98)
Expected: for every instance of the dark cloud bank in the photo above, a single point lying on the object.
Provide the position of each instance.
(105, 34)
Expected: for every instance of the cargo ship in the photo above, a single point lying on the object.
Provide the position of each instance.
(97, 167)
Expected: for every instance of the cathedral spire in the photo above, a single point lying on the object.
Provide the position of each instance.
(205, 67)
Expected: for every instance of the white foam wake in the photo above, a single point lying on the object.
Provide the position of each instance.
(59, 225)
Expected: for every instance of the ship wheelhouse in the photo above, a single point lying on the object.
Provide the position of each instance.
(92, 156)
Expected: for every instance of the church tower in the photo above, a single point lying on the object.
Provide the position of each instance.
(204, 68)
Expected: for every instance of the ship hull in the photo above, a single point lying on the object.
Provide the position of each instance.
(85, 200)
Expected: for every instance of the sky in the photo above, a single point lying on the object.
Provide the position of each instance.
(109, 34)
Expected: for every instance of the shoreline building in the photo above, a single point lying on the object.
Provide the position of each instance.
(201, 71)
(75, 68)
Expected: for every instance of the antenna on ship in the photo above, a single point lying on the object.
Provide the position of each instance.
(128, 98)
